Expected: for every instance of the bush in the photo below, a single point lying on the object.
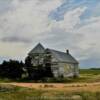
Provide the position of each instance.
(11, 69)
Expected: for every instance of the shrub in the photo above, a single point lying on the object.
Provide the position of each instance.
(11, 69)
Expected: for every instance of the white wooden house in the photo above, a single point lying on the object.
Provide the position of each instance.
(62, 63)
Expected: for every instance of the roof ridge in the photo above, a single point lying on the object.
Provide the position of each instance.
(38, 48)
(57, 51)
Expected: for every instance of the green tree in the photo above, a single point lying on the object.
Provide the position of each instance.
(37, 72)
(11, 69)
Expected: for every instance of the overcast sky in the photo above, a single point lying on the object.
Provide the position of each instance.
(57, 24)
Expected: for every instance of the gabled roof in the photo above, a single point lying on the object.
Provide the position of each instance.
(60, 56)
(38, 49)
(63, 57)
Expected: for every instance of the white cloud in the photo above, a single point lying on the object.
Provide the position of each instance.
(71, 19)
(83, 40)
(88, 45)
(28, 20)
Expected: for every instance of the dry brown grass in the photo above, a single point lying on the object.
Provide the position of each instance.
(91, 87)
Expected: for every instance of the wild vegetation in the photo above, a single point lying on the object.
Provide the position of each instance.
(15, 70)
(18, 71)
(75, 89)
(11, 69)
(9, 92)
(37, 72)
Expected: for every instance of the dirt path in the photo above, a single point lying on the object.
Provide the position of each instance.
(93, 87)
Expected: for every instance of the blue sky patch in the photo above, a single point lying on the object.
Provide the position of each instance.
(69, 5)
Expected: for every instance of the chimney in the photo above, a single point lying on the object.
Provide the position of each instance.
(67, 51)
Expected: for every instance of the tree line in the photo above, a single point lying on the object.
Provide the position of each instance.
(14, 69)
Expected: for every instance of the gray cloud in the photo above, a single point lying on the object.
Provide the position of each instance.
(5, 5)
(15, 39)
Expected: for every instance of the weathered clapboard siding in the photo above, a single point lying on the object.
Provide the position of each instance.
(62, 63)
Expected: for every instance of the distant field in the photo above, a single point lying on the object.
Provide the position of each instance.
(90, 71)
(89, 75)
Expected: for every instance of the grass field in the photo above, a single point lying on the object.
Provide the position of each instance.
(89, 75)
(86, 87)
(9, 92)
(90, 71)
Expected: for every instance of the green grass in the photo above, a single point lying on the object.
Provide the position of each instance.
(89, 75)
(90, 71)
(8, 92)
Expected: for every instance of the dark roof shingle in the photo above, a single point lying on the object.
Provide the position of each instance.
(63, 57)
(60, 56)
